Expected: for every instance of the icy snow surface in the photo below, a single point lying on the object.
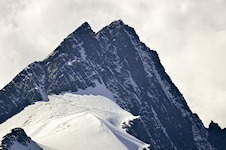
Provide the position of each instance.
(73, 121)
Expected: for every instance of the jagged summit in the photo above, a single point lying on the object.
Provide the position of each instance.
(214, 125)
(116, 26)
(217, 135)
(117, 23)
(85, 26)
(113, 59)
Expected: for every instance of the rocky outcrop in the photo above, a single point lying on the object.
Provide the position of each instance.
(217, 136)
(18, 139)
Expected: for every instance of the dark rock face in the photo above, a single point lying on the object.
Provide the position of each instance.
(18, 137)
(217, 136)
(26, 88)
(116, 58)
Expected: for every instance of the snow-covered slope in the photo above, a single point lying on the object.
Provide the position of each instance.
(72, 121)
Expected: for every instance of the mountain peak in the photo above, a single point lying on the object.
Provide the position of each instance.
(217, 136)
(118, 22)
(114, 63)
(85, 26)
(214, 126)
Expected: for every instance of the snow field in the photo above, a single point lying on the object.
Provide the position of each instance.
(71, 121)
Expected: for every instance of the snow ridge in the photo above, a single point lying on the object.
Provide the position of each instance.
(84, 121)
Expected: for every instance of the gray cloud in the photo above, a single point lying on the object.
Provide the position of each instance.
(189, 36)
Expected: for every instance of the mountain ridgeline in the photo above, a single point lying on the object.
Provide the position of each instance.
(116, 58)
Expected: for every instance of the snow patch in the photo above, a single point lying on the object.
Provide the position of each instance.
(99, 89)
(84, 122)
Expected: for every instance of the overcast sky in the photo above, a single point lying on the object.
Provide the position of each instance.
(189, 36)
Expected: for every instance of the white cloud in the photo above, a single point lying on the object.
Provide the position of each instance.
(189, 36)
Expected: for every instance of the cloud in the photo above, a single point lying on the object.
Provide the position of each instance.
(189, 36)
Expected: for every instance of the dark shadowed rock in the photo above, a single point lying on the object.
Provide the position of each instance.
(217, 136)
(18, 139)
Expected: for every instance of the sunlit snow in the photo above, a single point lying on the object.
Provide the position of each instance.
(73, 121)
